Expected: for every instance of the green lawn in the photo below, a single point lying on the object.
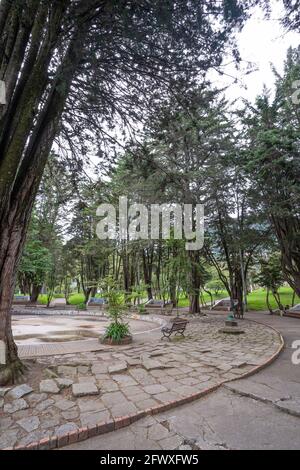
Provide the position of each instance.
(256, 300)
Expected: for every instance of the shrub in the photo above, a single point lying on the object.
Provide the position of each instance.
(81, 306)
(117, 331)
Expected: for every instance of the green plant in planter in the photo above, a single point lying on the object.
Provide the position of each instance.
(117, 329)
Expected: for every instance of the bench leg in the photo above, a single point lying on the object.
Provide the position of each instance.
(166, 335)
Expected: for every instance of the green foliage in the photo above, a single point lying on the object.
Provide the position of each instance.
(81, 306)
(270, 275)
(36, 261)
(117, 331)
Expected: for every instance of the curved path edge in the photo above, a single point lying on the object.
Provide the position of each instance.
(104, 427)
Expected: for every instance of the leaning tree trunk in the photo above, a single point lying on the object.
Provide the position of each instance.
(26, 137)
(12, 238)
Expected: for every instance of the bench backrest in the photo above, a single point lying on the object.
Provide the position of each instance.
(178, 325)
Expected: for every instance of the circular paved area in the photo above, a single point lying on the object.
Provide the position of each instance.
(52, 334)
(258, 412)
(87, 388)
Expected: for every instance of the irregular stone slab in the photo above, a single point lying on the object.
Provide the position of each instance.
(113, 398)
(64, 428)
(108, 386)
(35, 398)
(50, 422)
(16, 405)
(238, 363)
(43, 405)
(157, 431)
(124, 380)
(142, 376)
(153, 389)
(123, 409)
(133, 362)
(119, 367)
(93, 417)
(33, 437)
(87, 378)
(72, 414)
(64, 383)
(70, 371)
(29, 424)
(90, 404)
(84, 388)
(170, 443)
(64, 404)
(9, 438)
(99, 368)
(49, 386)
(4, 390)
(5, 422)
(145, 404)
(19, 391)
(151, 364)
(51, 374)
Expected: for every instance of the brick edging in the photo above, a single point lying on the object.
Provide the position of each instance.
(81, 434)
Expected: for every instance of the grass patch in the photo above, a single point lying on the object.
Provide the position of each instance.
(256, 300)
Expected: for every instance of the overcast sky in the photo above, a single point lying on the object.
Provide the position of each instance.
(262, 42)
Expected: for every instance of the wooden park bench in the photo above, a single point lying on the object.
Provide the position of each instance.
(177, 326)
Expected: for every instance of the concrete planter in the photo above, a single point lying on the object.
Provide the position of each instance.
(126, 340)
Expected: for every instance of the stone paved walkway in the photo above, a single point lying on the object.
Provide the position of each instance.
(258, 412)
(85, 388)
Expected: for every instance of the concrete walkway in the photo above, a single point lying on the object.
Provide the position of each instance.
(260, 412)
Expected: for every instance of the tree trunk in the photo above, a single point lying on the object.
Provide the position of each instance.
(194, 306)
(22, 162)
(35, 292)
(268, 302)
(93, 291)
(87, 293)
(195, 282)
(147, 268)
(13, 367)
(173, 297)
(287, 231)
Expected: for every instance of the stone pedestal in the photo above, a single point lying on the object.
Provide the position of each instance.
(231, 323)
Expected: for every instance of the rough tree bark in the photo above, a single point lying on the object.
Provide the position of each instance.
(287, 230)
(195, 282)
(22, 158)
